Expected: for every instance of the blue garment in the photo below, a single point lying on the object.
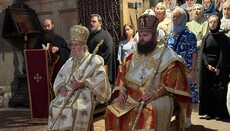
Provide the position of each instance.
(124, 48)
(184, 44)
(194, 90)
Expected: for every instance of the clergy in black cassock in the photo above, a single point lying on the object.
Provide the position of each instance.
(58, 47)
(107, 49)
(48, 36)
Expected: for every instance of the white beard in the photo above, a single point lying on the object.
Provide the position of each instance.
(77, 55)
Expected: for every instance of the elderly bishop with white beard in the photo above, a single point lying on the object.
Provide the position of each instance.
(83, 76)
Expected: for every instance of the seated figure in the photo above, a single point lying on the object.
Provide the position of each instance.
(81, 83)
(150, 80)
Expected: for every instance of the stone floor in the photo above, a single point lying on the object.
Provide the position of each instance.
(12, 119)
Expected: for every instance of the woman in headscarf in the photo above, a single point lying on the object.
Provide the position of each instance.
(225, 21)
(170, 6)
(213, 77)
(209, 8)
(219, 7)
(188, 6)
(183, 42)
(199, 26)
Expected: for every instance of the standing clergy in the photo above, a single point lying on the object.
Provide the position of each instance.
(155, 75)
(85, 75)
(107, 49)
(57, 49)
(58, 44)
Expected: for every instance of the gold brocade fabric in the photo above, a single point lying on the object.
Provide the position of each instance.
(77, 113)
(156, 115)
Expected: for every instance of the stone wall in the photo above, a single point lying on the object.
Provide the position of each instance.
(4, 4)
(64, 15)
(10, 61)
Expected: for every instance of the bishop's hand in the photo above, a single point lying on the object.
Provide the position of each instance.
(63, 91)
(75, 84)
(149, 96)
(122, 97)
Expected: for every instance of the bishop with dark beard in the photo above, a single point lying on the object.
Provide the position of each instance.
(148, 75)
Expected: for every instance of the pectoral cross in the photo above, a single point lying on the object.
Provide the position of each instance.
(142, 75)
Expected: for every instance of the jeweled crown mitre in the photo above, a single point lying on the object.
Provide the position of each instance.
(148, 23)
(79, 33)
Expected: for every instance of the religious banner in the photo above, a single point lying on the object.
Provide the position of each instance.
(38, 84)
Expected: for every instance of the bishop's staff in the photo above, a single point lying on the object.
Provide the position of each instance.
(150, 84)
(72, 92)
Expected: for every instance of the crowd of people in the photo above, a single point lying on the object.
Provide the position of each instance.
(199, 33)
(178, 54)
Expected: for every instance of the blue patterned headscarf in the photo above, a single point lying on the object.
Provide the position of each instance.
(211, 8)
(182, 25)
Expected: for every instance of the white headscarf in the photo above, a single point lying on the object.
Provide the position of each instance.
(185, 6)
(172, 6)
(202, 11)
(225, 23)
(182, 25)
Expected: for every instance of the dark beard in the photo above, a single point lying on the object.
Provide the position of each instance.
(49, 36)
(146, 47)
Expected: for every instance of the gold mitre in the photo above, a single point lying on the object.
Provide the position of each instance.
(148, 23)
(79, 33)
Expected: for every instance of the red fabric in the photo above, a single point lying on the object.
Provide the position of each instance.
(184, 99)
(120, 75)
(37, 76)
(175, 77)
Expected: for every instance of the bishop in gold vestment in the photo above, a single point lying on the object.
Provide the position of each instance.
(154, 74)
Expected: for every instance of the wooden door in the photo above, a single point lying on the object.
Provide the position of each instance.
(131, 10)
(62, 12)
